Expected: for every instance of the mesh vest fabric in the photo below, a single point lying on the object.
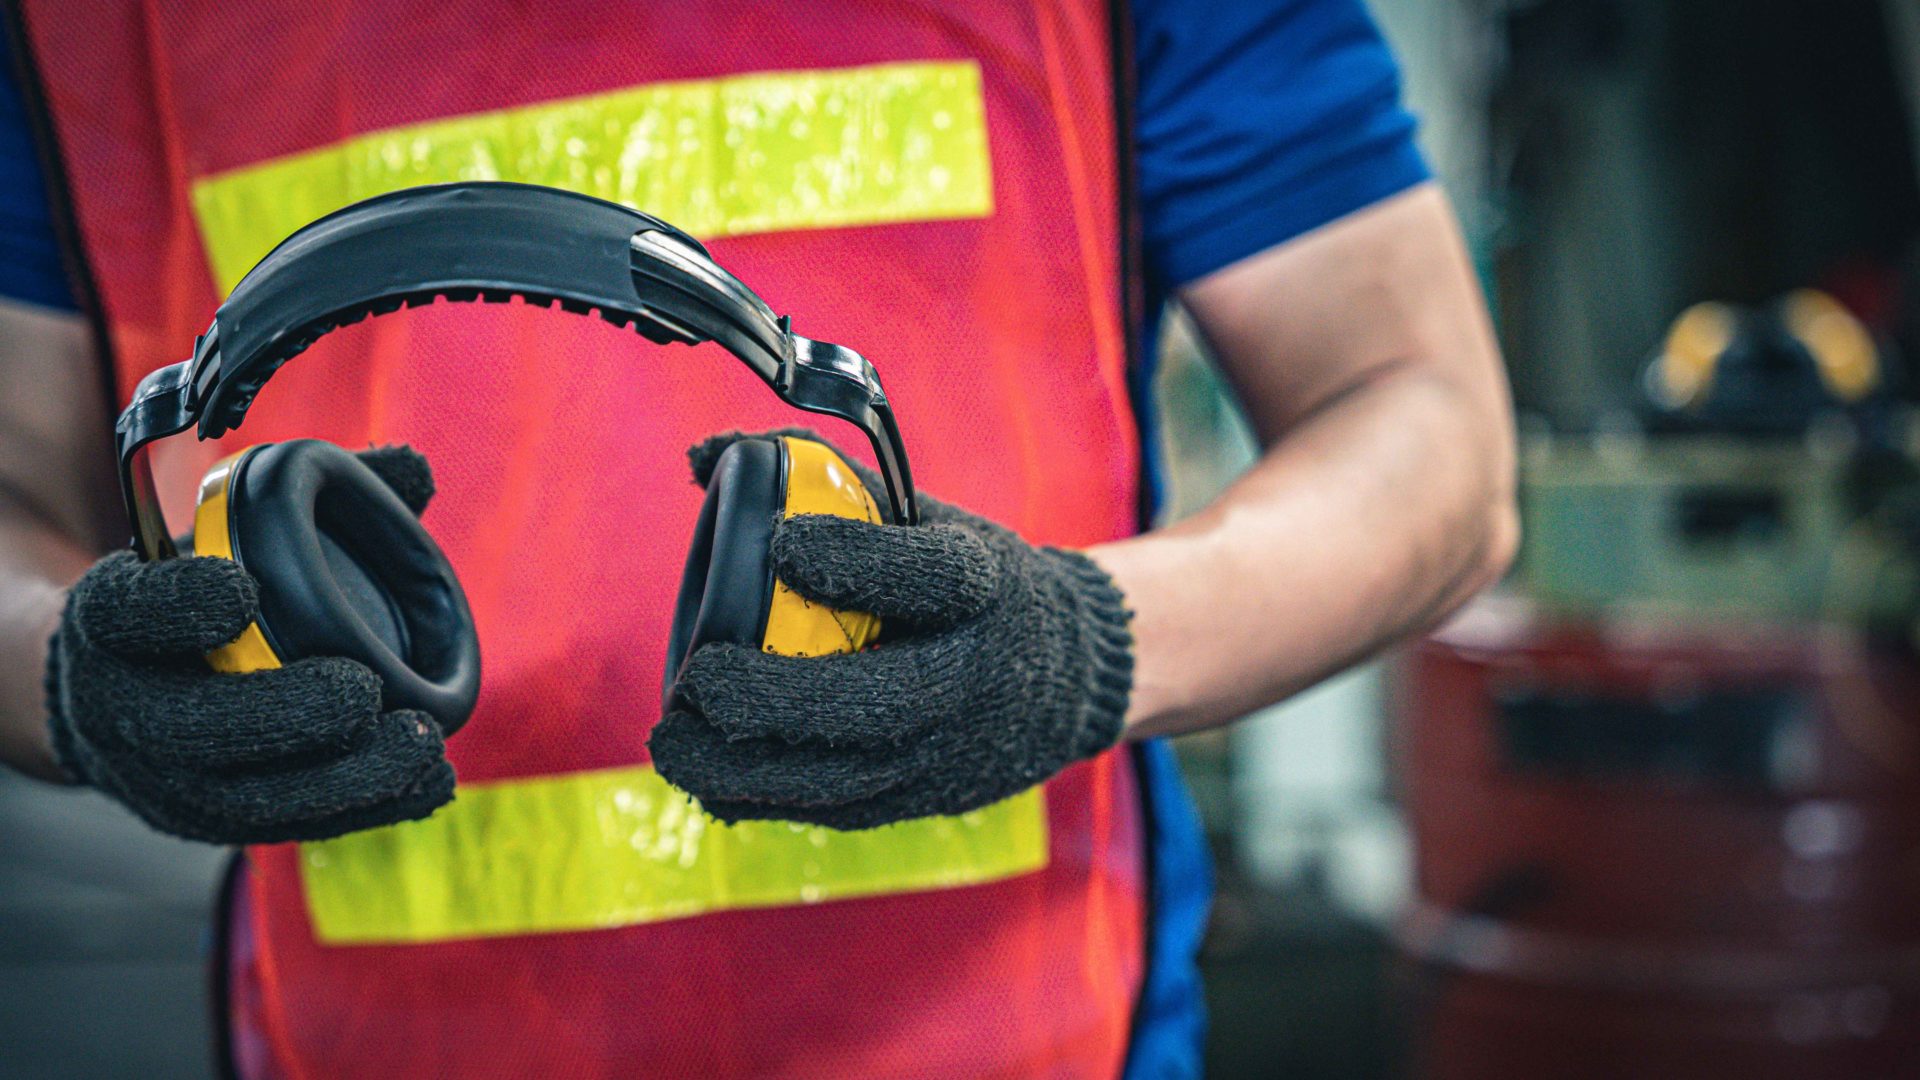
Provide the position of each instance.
(993, 314)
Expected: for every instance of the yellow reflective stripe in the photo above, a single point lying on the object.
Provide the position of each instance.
(749, 153)
(619, 847)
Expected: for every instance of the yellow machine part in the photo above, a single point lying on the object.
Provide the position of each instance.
(1692, 353)
(1843, 348)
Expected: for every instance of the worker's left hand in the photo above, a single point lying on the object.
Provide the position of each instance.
(1000, 664)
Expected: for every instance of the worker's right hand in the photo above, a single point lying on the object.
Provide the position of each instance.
(300, 752)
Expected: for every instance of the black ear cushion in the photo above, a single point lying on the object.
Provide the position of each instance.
(346, 570)
(728, 583)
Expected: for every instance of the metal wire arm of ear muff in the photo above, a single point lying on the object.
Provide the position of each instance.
(486, 242)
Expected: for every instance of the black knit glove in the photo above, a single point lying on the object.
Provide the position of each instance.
(1000, 664)
(301, 752)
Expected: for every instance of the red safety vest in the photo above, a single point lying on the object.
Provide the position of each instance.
(934, 187)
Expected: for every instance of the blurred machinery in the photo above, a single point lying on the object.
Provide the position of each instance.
(1648, 850)
(1664, 792)
(1666, 798)
(1770, 474)
(1658, 795)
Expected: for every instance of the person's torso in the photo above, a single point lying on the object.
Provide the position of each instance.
(935, 188)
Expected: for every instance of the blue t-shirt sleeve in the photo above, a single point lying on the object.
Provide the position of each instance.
(30, 267)
(1257, 122)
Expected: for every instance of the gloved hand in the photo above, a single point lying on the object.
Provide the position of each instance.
(301, 752)
(999, 665)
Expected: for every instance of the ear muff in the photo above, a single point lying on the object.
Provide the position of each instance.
(345, 569)
(728, 591)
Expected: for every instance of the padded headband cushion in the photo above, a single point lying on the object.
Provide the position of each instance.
(345, 569)
(728, 583)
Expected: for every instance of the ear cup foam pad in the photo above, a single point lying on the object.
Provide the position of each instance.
(345, 569)
(728, 582)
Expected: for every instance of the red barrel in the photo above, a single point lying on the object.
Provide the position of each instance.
(1661, 851)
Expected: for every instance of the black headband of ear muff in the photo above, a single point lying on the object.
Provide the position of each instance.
(486, 241)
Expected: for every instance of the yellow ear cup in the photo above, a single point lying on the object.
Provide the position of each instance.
(1692, 352)
(1848, 360)
(818, 482)
(212, 535)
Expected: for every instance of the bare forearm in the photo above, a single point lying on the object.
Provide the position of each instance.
(36, 566)
(1364, 357)
(57, 506)
(1373, 519)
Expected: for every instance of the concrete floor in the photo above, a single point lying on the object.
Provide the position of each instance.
(103, 938)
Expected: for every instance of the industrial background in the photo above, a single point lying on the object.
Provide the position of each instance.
(1654, 806)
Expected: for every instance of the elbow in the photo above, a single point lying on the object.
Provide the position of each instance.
(1499, 517)
(1497, 543)
(1488, 512)
(1481, 478)
(1500, 531)
(1501, 543)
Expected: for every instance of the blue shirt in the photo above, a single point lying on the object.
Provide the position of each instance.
(30, 267)
(1255, 122)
